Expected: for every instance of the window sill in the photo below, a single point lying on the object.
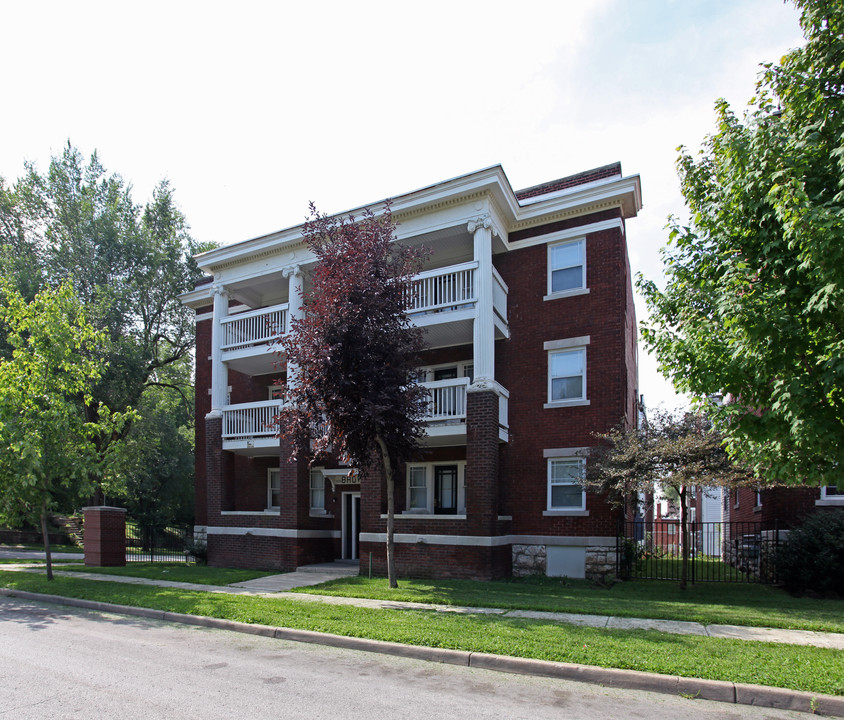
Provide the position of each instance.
(268, 511)
(566, 403)
(566, 293)
(757, 509)
(830, 503)
(320, 514)
(419, 515)
(565, 513)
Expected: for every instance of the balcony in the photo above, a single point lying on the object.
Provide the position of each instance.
(248, 428)
(248, 337)
(443, 301)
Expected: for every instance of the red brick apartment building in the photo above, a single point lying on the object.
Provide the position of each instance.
(527, 305)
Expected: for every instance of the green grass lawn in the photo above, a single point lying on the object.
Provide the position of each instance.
(10, 561)
(53, 548)
(801, 668)
(177, 572)
(708, 603)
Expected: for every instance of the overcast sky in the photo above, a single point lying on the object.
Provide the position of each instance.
(252, 109)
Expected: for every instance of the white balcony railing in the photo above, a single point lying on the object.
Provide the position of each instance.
(254, 327)
(499, 295)
(250, 420)
(447, 400)
(443, 289)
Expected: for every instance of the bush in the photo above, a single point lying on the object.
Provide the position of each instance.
(198, 550)
(812, 559)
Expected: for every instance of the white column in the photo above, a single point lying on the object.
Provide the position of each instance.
(295, 278)
(219, 370)
(484, 325)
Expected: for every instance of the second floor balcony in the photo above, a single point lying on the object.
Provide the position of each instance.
(249, 428)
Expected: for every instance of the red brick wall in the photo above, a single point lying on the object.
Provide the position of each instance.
(201, 408)
(442, 561)
(605, 314)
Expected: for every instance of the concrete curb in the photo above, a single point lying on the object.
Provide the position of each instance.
(694, 688)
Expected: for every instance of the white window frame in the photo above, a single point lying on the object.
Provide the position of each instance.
(429, 487)
(568, 509)
(313, 474)
(275, 392)
(581, 288)
(826, 499)
(558, 347)
(270, 472)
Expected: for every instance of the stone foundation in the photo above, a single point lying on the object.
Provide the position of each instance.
(532, 560)
(528, 560)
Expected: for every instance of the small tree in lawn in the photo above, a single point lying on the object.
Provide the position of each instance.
(671, 451)
(47, 450)
(355, 352)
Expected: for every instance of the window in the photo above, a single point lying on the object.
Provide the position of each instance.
(565, 488)
(317, 491)
(567, 375)
(832, 494)
(436, 488)
(566, 267)
(275, 392)
(273, 489)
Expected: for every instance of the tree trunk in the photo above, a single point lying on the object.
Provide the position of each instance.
(46, 536)
(391, 486)
(684, 539)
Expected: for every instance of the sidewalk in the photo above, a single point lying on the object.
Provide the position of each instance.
(316, 574)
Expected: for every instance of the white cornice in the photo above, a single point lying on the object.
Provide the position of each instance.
(489, 185)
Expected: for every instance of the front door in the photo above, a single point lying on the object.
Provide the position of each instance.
(351, 525)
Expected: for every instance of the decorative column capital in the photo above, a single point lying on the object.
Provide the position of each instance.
(219, 289)
(482, 221)
(293, 271)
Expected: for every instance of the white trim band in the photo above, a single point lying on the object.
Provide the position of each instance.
(273, 532)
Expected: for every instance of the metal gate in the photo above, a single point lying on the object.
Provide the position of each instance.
(148, 542)
(718, 551)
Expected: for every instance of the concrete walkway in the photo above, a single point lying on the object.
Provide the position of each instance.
(316, 574)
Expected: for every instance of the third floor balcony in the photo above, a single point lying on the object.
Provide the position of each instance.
(443, 301)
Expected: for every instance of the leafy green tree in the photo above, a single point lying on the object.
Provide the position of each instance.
(356, 352)
(754, 302)
(127, 264)
(47, 447)
(156, 457)
(672, 452)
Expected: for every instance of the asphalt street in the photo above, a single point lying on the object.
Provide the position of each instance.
(57, 662)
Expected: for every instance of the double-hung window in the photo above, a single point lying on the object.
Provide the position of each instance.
(567, 267)
(317, 491)
(565, 484)
(567, 371)
(567, 375)
(273, 489)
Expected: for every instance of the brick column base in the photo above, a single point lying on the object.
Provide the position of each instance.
(105, 536)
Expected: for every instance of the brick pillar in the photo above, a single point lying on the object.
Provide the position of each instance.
(105, 536)
(482, 462)
(214, 466)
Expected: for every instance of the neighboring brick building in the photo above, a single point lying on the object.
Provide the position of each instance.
(528, 310)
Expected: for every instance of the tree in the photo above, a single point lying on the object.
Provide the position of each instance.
(669, 451)
(127, 264)
(356, 353)
(754, 302)
(46, 445)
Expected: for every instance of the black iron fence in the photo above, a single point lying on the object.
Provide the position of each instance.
(718, 551)
(153, 542)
